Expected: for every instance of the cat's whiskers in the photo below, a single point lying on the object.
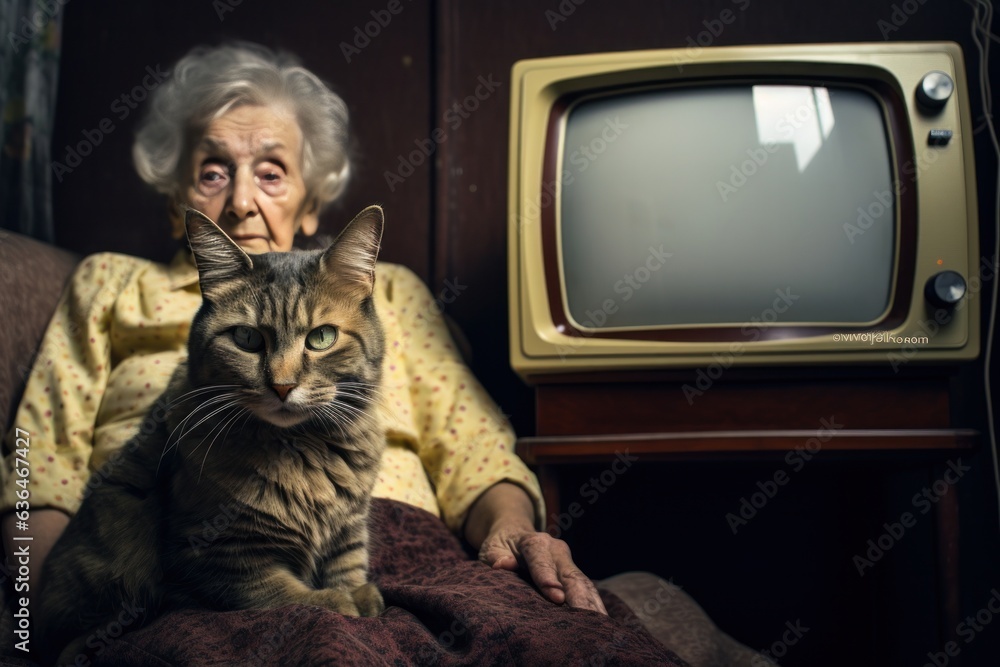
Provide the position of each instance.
(232, 405)
(172, 442)
(345, 422)
(209, 401)
(237, 408)
(352, 412)
(373, 389)
(182, 425)
(340, 415)
(332, 418)
(174, 438)
(209, 416)
(365, 396)
(356, 400)
(201, 390)
(350, 399)
(358, 390)
(243, 413)
(226, 423)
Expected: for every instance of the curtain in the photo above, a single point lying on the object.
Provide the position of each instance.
(31, 31)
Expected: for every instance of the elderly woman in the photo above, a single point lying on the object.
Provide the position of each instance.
(259, 144)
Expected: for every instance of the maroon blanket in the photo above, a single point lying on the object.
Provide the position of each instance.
(443, 608)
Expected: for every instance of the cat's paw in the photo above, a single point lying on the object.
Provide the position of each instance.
(368, 600)
(365, 600)
(336, 599)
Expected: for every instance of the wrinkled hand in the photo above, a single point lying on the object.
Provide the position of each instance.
(547, 560)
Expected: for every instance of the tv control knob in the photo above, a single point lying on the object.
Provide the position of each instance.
(934, 90)
(945, 289)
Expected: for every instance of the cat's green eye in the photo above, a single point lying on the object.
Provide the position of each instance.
(321, 338)
(248, 339)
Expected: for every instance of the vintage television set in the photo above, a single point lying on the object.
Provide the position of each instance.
(772, 206)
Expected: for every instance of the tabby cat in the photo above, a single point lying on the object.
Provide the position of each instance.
(250, 486)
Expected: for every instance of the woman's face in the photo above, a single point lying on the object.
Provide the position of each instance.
(246, 175)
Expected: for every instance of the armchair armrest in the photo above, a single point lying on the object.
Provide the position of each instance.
(32, 277)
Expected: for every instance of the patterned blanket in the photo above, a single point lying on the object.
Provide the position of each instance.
(443, 607)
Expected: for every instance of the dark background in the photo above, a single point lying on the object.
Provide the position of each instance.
(447, 221)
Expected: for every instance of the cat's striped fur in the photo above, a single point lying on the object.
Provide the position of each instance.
(249, 484)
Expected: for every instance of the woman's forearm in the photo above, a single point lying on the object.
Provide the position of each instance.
(44, 527)
(503, 504)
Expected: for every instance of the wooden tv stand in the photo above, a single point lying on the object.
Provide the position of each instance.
(593, 420)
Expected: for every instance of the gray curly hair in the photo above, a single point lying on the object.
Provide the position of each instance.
(210, 81)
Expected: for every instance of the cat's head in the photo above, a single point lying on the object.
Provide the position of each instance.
(289, 336)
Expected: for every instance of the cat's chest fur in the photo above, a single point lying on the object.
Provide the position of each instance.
(289, 495)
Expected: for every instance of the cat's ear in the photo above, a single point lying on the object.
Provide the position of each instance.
(218, 258)
(351, 258)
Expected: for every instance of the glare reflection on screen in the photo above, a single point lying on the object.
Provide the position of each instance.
(798, 115)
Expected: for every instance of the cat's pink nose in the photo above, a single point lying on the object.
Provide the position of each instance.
(283, 389)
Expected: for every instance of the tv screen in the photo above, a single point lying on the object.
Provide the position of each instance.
(704, 205)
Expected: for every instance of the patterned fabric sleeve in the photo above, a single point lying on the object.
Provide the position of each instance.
(65, 387)
(464, 441)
